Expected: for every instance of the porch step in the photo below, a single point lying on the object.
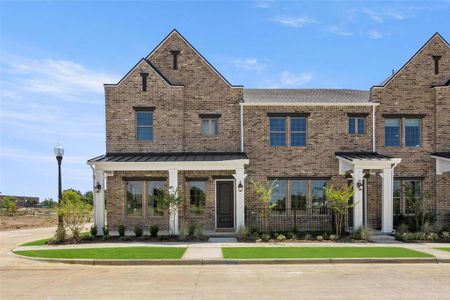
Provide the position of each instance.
(380, 237)
(222, 240)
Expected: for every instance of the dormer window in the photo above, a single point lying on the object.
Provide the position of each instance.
(436, 59)
(175, 54)
(144, 81)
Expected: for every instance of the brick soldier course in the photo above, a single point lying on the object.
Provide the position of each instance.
(181, 88)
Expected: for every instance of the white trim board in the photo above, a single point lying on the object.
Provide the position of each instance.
(442, 164)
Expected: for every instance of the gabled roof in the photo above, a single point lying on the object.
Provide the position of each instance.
(390, 77)
(174, 31)
(152, 67)
(295, 96)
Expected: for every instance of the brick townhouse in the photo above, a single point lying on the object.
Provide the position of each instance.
(174, 122)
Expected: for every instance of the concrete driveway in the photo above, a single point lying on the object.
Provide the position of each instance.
(26, 279)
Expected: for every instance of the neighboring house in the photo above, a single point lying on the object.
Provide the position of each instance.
(21, 201)
(174, 122)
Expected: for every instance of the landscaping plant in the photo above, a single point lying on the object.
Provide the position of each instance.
(93, 230)
(9, 204)
(154, 230)
(338, 200)
(121, 230)
(264, 193)
(169, 200)
(138, 231)
(242, 232)
(74, 213)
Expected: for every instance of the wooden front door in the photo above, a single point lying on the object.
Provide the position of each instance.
(225, 204)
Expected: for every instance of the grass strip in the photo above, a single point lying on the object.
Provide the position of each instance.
(320, 252)
(109, 253)
(44, 242)
(444, 249)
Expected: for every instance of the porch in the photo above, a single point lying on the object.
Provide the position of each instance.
(212, 185)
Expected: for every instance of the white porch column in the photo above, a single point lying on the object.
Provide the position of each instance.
(387, 205)
(239, 176)
(357, 199)
(99, 201)
(173, 186)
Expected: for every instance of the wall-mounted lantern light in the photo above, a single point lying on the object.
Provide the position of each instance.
(359, 185)
(98, 187)
(240, 187)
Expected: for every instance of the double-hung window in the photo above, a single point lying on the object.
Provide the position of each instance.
(279, 195)
(298, 132)
(154, 189)
(299, 194)
(412, 132)
(402, 131)
(392, 134)
(135, 190)
(197, 196)
(356, 125)
(144, 125)
(407, 193)
(278, 131)
(210, 127)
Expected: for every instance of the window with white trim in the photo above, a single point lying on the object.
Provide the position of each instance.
(210, 126)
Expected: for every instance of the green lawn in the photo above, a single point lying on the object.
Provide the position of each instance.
(109, 253)
(319, 252)
(444, 249)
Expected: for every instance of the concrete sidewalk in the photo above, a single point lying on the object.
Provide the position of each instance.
(213, 251)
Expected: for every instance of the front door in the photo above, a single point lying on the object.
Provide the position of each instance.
(225, 204)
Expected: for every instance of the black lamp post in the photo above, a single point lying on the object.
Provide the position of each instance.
(59, 153)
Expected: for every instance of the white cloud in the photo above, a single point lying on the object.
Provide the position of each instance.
(296, 22)
(251, 64)
(264, 4)
(339, 30)
(380, 16)
(70, 80)
(375, 34)
(289, 79)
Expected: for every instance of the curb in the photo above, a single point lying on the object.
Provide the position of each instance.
(179, 262)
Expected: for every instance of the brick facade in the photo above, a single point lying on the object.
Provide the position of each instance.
(179, 96)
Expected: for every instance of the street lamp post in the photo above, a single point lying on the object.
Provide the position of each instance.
(59, 153)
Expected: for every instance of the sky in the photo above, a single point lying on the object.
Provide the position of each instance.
(55, 57)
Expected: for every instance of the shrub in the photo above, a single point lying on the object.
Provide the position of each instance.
(432, 236)
(183, 232)
(362, 234)
(281, 238)
(255, 236)
(121, 230)
(326, 236)
(154, 229)
(402, 228)
(137, 231)
(332, 237)
(308, 237)
(291, 235)
(191, 230)
(254, 229)
(93, 230)
(74, 212)
(445, 234)
(199, 232)
(125, 238)
(105, 231)
(265, 237)
(242, 232)
(428, 227)
(319, 238)
(9, 203)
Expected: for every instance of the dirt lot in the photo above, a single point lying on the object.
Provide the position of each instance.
(30, 218)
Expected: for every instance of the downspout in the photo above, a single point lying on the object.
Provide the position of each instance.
(374, 148)
(242, 125)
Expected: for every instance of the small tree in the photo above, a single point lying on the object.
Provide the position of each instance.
(338, 200)
(9, 203)
(49, 203)
(74, 212)
(264, 192)
(416, 203)
(169, 200)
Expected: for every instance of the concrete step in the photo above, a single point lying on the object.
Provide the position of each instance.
(222, 240)
(380, 237)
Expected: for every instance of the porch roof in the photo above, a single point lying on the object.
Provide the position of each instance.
(170, 161)
(364, 160)
(442, 162)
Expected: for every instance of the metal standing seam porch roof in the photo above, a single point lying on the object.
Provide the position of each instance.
(442, 154)
(371, 156)
(168, 157)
